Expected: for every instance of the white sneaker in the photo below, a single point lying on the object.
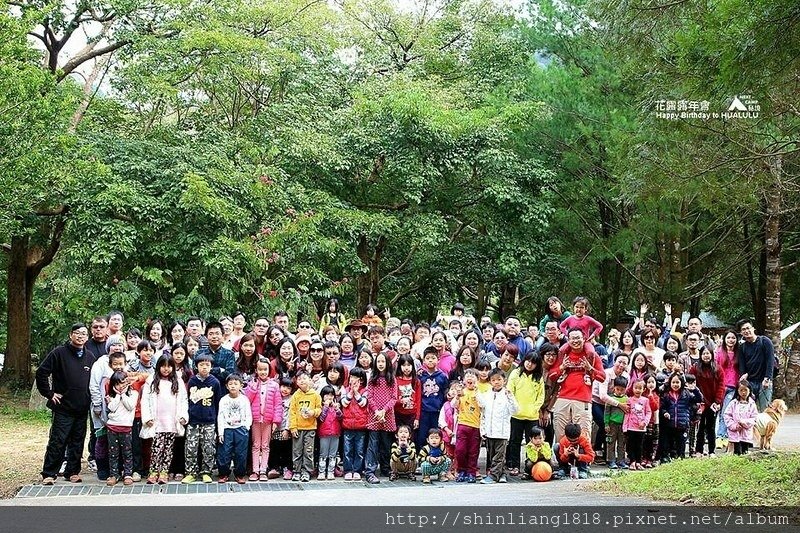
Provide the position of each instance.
(331, 476)
(321, 476)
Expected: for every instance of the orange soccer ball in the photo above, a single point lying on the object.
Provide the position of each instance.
(542, 471)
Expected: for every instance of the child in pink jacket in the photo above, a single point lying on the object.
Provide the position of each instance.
(635, 424)
(740, 417)
(267, 407)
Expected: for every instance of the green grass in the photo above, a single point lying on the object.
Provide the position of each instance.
(10, 412)
(756, 479)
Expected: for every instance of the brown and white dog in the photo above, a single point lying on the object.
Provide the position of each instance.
(767, 423)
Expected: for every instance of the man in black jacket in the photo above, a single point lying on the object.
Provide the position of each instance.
(69, 366)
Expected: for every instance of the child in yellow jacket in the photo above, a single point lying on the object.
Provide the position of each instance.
(304, 409)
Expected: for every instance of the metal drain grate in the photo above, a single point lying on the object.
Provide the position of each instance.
(96, 489)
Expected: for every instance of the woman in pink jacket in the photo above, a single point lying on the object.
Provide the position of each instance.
(267, 407)
(740, 417)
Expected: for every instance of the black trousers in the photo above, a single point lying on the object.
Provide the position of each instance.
(67, 434)
(521, 431)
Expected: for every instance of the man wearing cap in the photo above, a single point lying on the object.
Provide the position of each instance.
(303, 343)
(357, 330)
(69, 366)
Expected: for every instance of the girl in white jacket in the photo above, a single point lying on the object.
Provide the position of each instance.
(165, 411)
(121, 405)
(497, 406)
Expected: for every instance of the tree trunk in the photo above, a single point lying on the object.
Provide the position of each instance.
(480, 306)
(772, 246)
(368, 283)
(17, 367)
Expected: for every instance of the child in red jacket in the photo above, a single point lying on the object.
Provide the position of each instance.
(354, 423)
(574, 451)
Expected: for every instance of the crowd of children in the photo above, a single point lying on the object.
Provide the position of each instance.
(393, 409)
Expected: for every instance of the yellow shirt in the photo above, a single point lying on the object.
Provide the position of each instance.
(483, 386)
(469, 412)
(310, 400)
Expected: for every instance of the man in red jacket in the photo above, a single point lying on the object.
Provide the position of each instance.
(575, 371)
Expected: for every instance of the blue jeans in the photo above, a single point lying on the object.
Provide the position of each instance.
(355, 443)
(427, 420)
(234, 446)
(379, 450)
(763, 396)
(722, 429)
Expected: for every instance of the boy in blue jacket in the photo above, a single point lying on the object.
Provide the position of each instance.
(434, 385)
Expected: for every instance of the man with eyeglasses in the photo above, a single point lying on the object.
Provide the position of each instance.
(552, 335)
(69, 366)
(757, 363)
(260, 328)
(692, 354)
(96, 345)
(695, 325)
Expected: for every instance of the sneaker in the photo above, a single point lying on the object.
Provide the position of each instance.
(412, 477)
(263, 477)
(288, 475)
(712, 455)
(418, 471)
(356, 476)
(513, 472)
(426, 479)
(111, 481)
(128, 481)
(639, 466)
(444, 477)
(189, 479)
(612, 465)
(348, 476)
(92, 465)
(503, 479)
(241, 480)
(583, 474)
(136, 477)
(462, 477)
(222, 479)
(321, 476)
(152, 479)
(273, 474)
(295, 476)
(372, 479)
(393, 476)
(488, 480)
(305, 478)
(472, 479)
(48, 481)
(253, 477)
(331, 476)
(207, 478)
(163, 478)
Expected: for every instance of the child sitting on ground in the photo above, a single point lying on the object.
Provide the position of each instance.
(404, 455)
(433, 457)
(574, 453)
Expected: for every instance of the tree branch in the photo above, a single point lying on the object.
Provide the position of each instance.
(78, 60)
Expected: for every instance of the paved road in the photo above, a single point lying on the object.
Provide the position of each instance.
(559, 493)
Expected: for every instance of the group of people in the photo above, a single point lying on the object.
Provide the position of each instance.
(362, 399)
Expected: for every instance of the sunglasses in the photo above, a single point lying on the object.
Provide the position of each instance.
(304, 326)
(316, 349)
